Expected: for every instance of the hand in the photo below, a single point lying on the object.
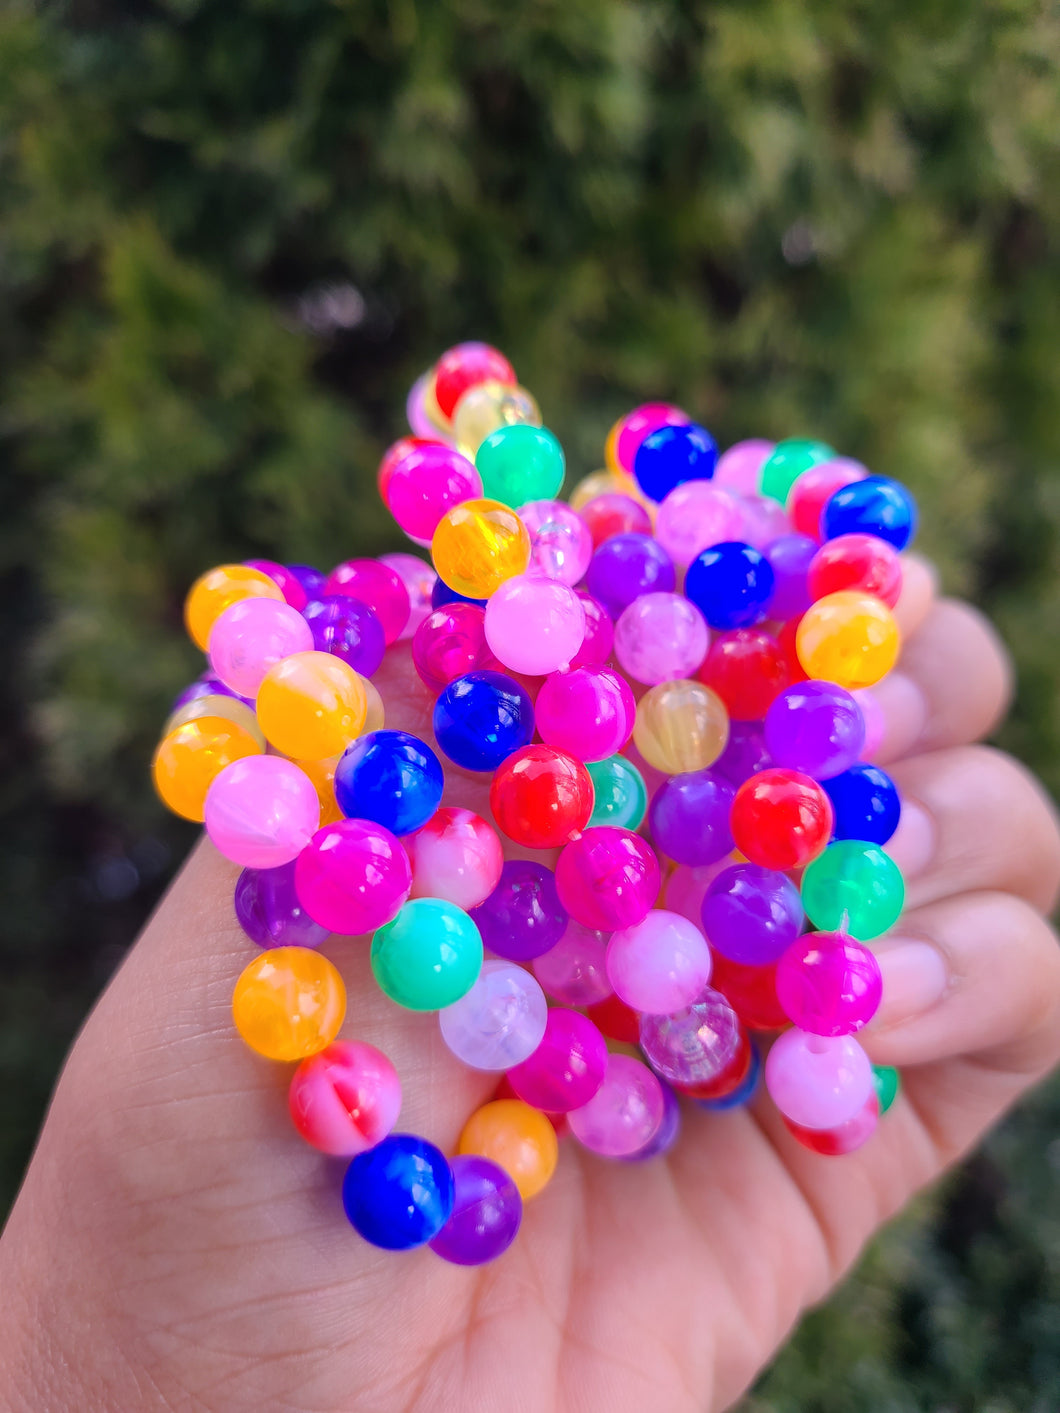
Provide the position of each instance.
(177, 1246)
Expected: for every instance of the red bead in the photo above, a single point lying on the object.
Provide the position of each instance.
(465, 366)
(781, 819)
(856, 562)
(750, 991)
(614, 513)
(834, 1142)
(814, 487)
(726, 1080)
(747, 668)
(786, 639)
(397, 453)
(541, 797)
(614, 1019)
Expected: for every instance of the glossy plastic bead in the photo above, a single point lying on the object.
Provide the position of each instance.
(740, 466)
(853, 887)
(790, 558)
(743, 1093)
(815, 727)
(815, 487)
(630, 431)
(428, 956)
(499, 1022)
(450, 642)
(311, 580)
(690, 817)
(694, 516)
(375, 584)
(481, 718)
(816, 1082)
(670, 456)
(829, 984)
(846, 1138)
(541, 797)
(680, 726)
(865, 803)
(751, 914)
(419, 580)
(751, 991)
(322, 774)
(311, 705)
(574, 969)
(464, 366)
(616, 1020)
(599, 483)
(660, 637)
(442, 594)
(660, 965)
(478, 545)
(261, 811)
(685, 888)
(665, 1136)
(888, 1082)
(850, 638)
(390, 777)
(875, 506)
(620, 796)
(588, 712)
(416, 407)
(207, 685)
(250, 636)
(456, 856)
(487, 1212)
(345, 1099)
(566, 1069)
(599, 634)
(523, 916)
(624, 1114)
(694, 1045)
(744, 754)
(399, 1194)
(560, 544)
(860, 562)
(215, 590)
(727, 1080)
(269, 910)
(731, 585)
(285, 580)
(518, 1138)
(349, 629)
(427, 483)
(487, 406)
(289, 1003)
(626, 566)
(763, 522)
(746, 667)
(191, 756)
(520, 463)
(534, 625)
(786, 463)
(607, 879)
(781, 819)
(352, 877)
(394, 455)
(614, 513)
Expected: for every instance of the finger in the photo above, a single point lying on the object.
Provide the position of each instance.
(920, 588)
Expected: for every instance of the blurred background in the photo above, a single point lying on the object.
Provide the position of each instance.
(232, 235)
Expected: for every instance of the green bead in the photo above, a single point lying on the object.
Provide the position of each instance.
(786, 463)
(520, 463)
(429, 956)
(888, 1082)
(853, 887)
(621, 795)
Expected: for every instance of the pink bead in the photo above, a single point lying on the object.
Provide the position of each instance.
(740, 467)
(250, 636)
(261, 811)
(560, 543)
(428, 482)
(687, 887)
(352, 877)
(574, 970)
(585, 712)
(818, 1082)
(764, 521)
(694, 516)
(378, 586)
(599, 634)
(847, 1138)
(416, 408)
(828, 984)
(419, 580)
(624, 1113)
(640, 423)
(346, 1099)
(566, 1069)
(607, 879)
(660, 965)
(814, 487)
(287, 583)
(450, 642)
(534, 625)
(456, 856)
(500, 1022)
(660, 638)
(875, 721)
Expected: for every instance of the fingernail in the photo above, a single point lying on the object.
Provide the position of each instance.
(912, 845)
(905, 710)
(915, 978)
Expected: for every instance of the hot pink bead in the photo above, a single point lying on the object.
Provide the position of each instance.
(352, 877)
(416, 408)
(574, 970)
(607, 879)
(660, 638)
(624, 1113)
(740, 467)
(560, 543)
(250, 636)
(764, 521)
(261, 811)
(345, 1099)
(599, 634)
(828, 983)
(818, 1082)
(585, 712)
(450, 642)
(640, 423)
(378, 586)
(456, 856)
(875, 721)
(426, 483)
(280, 575)
(687, 887)
(419, 580)
(660, 965)
(566, 1069)
(694, 516)
(534, 625)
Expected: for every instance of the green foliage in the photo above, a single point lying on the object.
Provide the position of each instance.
(821, 218)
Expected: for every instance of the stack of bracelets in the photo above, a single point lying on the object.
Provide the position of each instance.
(668, 680)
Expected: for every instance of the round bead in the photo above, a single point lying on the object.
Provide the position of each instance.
(205, 686)
(560, 543)
(694, 516)
(815, 727)
(534, 625)
(311, 580)
(449, 643)
(740, 467)
(690, 817)
(729, 1079)
(849, 638)
(680, 726)
(399, 1194)
(626, 566)
(888, 1082)
(686, 887)
(541, 798)
(599, 483)
(660, 637)
(376, 585)
(614, 513)
(481, 718)
(215, 590)
(487, 1212)
(251, 635)
(416, 408)
(744, 754)
(345, 1099)
(390, 777)
(744, 1091)
(587, 712)
(419, 580)
(607, 879)
(352, 877)
(781, 819)
(790, 558)
(751, 914)
(860, 562)
(285, 579)
(456, 856)
(751, 991)
(442, 594)
(853, 887)
(289, 1003)
(865, 803)
(269, 910)
(763, 522)
(427, 483)
(786, 463)
(660, 965)
(311, 705)
(599, 634)
(574, 969)
(846, 1138)
(261, 811)
(620, 796)
(428, 956)
(875, 721)
(523, 916)
(519, 463)
(666, 1135)
(322, 774)
(874, 506)
(465, 366)
(694, 1045)
(478, 545)
(670, 456)
(499, 1022)
(566, 1069)
(829, 984)
(348, 628)
(630, 431)
(517, 1138)
(813, 489)
(191, 756)
(624, 1114)
(486, 407)
(816, 1082)
(731, 584)
(394, 455)
(746, 668)
(616, 1020)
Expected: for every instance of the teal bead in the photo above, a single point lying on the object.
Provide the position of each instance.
(621, 797)
(520, 463)
(429, 956)
(786, 463)
(888, 1082)
(853, 887)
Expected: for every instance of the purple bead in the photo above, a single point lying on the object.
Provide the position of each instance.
(487, 1211)
(194, 691)
(349, 629)
(626, 566)
(269, 912)
(312, 580)
(751, 914)
(815, 727)
(666, 1135)
(523, 916)
(690, 817)
(745, 753)
(790, 558)
(693, 1046)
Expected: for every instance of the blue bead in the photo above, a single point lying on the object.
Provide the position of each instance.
(669, 456)
(400, 1193)
(742, 1094)
(481, 718)
(865, 802)
(731, 584)
(876, 506)
(390, 777)
(442, 594)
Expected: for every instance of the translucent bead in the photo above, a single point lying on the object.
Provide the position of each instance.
(694, 1045)
(213, 591)
(322, 774)
(764, 522)
(660, 638)
(534, 625)
(599, 634)
(625, 566)
(523, 916)
(391, 777)
(456, 856)
(624, 1114)
(416, 408)
(377, 585)
(228, 708)
(786, 463)
(660, 965)
(588, 712)
(352, 877)
(740, 1096)
(620, 796)
(285, 579)
(311, 580)
(478, 545)
(487, 1212)
(566, 1069)
(813, 489)
(468, 365)
(614, 513)
(853, 887)
(631, 430)
(311, 705)
(269, 910)
(665, 1136)
(694, 516)
(729, 1078)
(399, 1194)
(781, 819)
(487, 406)
(740, 466)
(597, 483)
(888, 1083)
(829, 984)
(394, 455)
(190, 757)
(875, 721)
(607, 879)
(747, 667)
(873, 506)
(345, 1099)
(250, 636)
(849, 638)
(541, 797)
(790, 558)
(450, 642)
(670, 456)
(686, 888)
(374, 711)
(815, 727)
(289, 1003)
(751, 914)
(574, 969)
(731, 585)
(428, 956)
(680, 726)
(520, 463)
(261, 811)
(744, 754)
(349, 629)
(818, 1083)
(860, 562)
(481, 718)
(518, 1138)
(846, 1138)
(690, 817)
(499, 1022)
(427, 483)
(560, 543)
(419, 579)
(751, 991)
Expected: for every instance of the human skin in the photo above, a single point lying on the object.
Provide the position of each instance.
(176, 1246)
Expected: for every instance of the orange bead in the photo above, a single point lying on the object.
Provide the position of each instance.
(189, 758)
(228, 708)
(516, 1137)
(478, 545)
(312, 705)
(849, 637)
(213, 591)
(322, 774)
(375, 712)
(289, 1003)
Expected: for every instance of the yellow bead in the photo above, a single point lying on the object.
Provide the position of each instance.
(478, 545)
(611, 446)
(213, 591)
(228, 708)
(487, 406)
(517, 1138)
(322, 774)
(375, 714)
(681, 726)
(849, 638)
(311, 705)
(190, 757)
(289, 1003)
